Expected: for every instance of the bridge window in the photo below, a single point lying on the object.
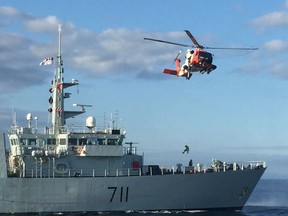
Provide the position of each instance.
(62, 141)
(31, 141)
(41, 141)
(51, 141)
(101, 141)
(23, 141)
(72, 141)
(112, 142)
(115, 131)
(82, 141)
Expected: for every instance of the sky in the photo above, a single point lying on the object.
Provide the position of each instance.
(236, 113)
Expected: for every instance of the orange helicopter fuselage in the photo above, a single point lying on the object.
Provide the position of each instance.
(201, 60)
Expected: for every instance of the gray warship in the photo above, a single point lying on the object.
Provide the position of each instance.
(92, 169)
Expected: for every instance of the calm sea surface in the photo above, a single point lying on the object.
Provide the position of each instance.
(270, 198)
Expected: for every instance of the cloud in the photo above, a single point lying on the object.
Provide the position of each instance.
(10, 12)
(17, 63)
(274, 19)
(274, 51)
(31, 23)
(47, 25)
(280, 68)
(276, 45)
(119, 51)
(286, 3)
(96, 54)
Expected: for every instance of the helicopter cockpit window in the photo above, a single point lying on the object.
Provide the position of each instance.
(206, 57)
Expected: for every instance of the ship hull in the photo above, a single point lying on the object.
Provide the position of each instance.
(215, 190)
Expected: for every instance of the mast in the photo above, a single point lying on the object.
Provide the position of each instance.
(57, 86)
(59, 115)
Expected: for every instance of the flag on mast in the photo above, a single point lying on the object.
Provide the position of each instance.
(47, 61)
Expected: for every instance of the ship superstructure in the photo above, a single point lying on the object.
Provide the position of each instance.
(58, 149)
(69, 170)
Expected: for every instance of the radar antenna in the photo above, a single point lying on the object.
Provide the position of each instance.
(82, 106)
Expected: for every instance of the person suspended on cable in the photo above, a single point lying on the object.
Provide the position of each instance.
(186, 149)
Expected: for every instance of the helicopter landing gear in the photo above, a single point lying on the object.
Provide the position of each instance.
(210, 69)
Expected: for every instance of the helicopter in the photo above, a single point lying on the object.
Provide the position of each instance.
(197, 60)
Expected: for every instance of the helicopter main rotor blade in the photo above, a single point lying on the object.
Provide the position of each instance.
(168, 42)
(197, 45)
(232, 48)
(193, 39)
(202, 47)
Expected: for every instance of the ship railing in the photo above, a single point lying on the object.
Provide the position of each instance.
(83, 129)
(53, 173)
(64, 129)
(143, 171)
(219, 166)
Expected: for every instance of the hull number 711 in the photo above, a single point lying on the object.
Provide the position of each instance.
(119, 193)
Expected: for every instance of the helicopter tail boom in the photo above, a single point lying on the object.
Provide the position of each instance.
(174, 72)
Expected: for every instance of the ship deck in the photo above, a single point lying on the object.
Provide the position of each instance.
(143, 171)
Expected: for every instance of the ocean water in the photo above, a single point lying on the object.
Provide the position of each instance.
(270, 198)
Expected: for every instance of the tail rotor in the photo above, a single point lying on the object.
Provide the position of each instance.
(176, 57)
